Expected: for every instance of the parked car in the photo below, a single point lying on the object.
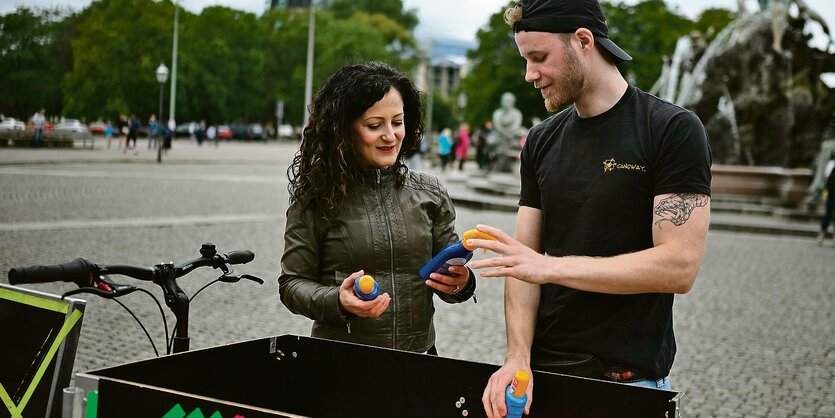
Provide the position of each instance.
(97, 127)
(182, 130)
(239, 130)
(12, 124)
(71, 125)
(256, 131)
(285, 131)
(224, 132)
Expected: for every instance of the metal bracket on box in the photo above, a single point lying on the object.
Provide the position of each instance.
(676, 409)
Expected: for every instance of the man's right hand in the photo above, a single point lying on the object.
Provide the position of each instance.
(493, 398)
(363, 308)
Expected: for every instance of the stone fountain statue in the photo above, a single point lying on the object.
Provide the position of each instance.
(507, 132)
(757, 86)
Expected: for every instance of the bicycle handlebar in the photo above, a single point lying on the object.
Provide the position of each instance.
(240, 257)
(78, 271)
(85, 273)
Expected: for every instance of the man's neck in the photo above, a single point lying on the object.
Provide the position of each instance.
(602, 92)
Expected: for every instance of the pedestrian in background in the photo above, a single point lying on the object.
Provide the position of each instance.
(445, 147)
(38, 120)
(462, 149)
(482, 154)
(153, 131)
(108, 133)
(124, 130)
(133, 134)
(829, 195)
(200, 132)
(211, 134)
(356, 209)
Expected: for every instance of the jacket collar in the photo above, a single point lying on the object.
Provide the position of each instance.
(379, 175)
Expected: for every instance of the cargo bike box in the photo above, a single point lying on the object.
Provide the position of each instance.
(291, 376)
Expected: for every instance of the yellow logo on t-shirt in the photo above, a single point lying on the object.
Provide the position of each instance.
(611, 165)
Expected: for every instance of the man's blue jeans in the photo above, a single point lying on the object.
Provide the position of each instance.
(663, 383)
(827, 214)
(38, 135)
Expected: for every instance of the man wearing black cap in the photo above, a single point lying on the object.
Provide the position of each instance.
(613, 214)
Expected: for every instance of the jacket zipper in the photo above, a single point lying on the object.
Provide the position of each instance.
(391, 258)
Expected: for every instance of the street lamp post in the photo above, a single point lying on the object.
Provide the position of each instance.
(162, 77)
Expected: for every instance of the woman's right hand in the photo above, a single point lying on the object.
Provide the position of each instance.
(353, 304)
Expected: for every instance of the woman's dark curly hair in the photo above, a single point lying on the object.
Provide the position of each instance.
(325, 170)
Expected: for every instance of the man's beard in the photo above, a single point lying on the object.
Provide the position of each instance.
(566, 90)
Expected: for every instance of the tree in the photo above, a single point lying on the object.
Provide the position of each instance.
(115, 58)
(222, 66)
(361, 37)
(34, 56)
(498, 68)
(647, 31)
(344, 9)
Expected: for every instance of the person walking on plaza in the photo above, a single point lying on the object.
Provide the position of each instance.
(38, 120)
(356, 209)
(153, 132)
(211, 134)
(613, 212)
(124, 130)
(133, 134)
(829, 193)
(445, 147)
(108, 133)
(482, 155)
(462, 149)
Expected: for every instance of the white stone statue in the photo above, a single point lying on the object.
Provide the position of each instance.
(507, 125)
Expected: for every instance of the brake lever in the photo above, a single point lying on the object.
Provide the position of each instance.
(111, 294)
(253, 278)
(231, 278)
(103, 287)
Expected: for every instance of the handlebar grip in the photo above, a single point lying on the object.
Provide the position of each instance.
(240, 257)
(78, 271)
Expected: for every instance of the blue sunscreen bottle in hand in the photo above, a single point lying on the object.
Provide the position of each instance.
(515, 396)
(366, 288)
(456, 254)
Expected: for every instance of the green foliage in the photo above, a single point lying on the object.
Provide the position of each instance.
(713, 20)
(498, 68)
(115, 58)
(34, 56)
(361, 37)
(232, 65)
(444, 112)
(647, 30)
(344, 9)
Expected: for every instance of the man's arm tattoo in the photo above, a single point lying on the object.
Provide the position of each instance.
(678, 207)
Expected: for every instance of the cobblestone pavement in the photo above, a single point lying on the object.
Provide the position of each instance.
(755, 335)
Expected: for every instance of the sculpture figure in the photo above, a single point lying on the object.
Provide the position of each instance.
(507, 124)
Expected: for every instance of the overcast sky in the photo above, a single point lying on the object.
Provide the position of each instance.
(457, 19)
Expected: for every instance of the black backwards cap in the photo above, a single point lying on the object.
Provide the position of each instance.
(566, 16)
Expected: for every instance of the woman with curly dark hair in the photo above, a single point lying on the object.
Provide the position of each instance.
(356, 209)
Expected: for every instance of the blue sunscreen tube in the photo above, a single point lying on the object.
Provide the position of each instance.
(366, 288)
(515, 396)
(457, 254)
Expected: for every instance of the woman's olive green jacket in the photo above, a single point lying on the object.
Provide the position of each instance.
(388, 231)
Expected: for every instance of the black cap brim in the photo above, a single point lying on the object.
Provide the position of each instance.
(618, 54)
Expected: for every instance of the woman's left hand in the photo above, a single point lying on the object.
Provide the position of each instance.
(451, 283)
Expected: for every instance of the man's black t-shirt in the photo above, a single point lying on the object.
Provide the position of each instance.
(595, 180)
